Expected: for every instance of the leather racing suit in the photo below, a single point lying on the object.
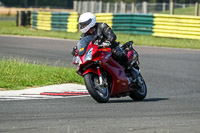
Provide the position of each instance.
(106, 34)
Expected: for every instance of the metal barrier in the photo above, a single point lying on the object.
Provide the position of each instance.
(128, 23)
(57, 21)
(133, 23)
(105, 18)
(176, 26)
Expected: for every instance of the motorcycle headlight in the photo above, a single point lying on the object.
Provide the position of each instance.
(80, 62)
(77, 60)
(88, 55)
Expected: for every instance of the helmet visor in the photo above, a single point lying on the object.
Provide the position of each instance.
(84, 24)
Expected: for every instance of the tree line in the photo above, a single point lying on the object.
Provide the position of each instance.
(39, 3)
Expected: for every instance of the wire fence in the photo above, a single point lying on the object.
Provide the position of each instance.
(143, 7)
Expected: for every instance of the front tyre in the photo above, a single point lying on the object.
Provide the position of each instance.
(140, 90)
(100, 93)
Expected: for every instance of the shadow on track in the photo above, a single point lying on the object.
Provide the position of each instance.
(145, 100)
(154, 99)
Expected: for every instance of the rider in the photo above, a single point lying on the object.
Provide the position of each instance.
(89, 26)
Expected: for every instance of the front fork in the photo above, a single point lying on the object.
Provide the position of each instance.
(100, 76)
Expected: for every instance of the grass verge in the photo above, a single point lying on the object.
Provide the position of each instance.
(19, 74)
(182, 11)
(9, 28)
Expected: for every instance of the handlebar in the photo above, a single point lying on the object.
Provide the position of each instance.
(127, 45)
(103, 46)
(100, 46)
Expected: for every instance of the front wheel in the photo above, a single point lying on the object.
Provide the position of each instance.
(100, 93)
(140, 90)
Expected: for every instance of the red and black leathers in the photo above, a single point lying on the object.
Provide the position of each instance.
(103, 31)
(106, 34)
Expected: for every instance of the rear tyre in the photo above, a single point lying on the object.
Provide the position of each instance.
(140, 90)
(100, 93)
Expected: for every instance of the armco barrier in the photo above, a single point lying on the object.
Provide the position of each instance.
(176, 26)
(105, 18)
(133, 23)
(128, 23)
(58, 21)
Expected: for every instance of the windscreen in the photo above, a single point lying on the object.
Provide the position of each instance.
(83, 44)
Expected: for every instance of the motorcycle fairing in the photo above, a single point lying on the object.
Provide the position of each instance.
(113, 68)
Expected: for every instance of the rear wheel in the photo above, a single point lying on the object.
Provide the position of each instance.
(140, 90)
(100, 93)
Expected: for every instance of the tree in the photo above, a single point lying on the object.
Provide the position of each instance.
(129, 1)
(42, 3)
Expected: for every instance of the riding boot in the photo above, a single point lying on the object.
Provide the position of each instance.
(134, 72)
(121, 56)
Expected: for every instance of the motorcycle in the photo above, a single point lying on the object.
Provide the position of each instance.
(104, 77)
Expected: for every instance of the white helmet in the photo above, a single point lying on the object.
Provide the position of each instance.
(87, 20)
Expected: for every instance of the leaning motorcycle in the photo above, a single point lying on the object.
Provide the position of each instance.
(104, 77)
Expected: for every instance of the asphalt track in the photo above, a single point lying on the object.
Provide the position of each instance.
(172, 104)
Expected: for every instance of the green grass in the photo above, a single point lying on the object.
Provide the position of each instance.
(19, 74)
(9, 28)
(183, 11)
(161, 41)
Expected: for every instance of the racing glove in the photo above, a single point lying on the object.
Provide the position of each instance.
(106, 43)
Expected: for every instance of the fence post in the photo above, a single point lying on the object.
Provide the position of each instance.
(75, 5)
(171, 7)
(115, 10)
(100, 6)
(92, 7)
(144, 7)
(79, 7)
(197, 9)
(164, 7)
(85, 5)
(107, 7)
(123, 8)
(18, 18)
(132, 7)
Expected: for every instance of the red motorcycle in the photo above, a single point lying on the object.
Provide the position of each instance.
(104, 77)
